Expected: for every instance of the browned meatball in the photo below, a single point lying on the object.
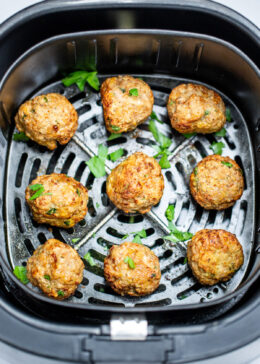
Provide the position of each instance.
(132, 269)
(214, 256)
(136, 184)
(217, 182)
(47, 119)
(195, 108)
(56, 269)
(57, 199)
(127, 102)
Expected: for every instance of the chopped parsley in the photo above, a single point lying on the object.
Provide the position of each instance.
(39, 191)
(164, 143)
(45, 98)
(124, 237)
(228, 115)
(113, 136)
(80, 78)
(133, 92)
(89, 259)
(122, 89)
(217, 147)
(115, 128)
(189, 135)
(67, 222)
(97, 163)
(21, 273)
(138, 235)
(207, 112)
(229, 165)
(185, 260)
(46, 276)
(221, 133)
(116, 155)
(130, 262)
(60, 293)
(169, 212)
(51, 211)
(20, 137)
(75, 240)
(153, 116)
(78, 191)
(97, 205)
(195, 171)
(177, 235)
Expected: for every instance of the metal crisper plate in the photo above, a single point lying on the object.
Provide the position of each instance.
(104, 225)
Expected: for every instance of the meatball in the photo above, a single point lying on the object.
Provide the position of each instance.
(47, 119)
(56, 269)
(195, 108)
(57, 200)
(127, 102)
(132, 269)
(136, 184)
(217, 182)
(214, 256)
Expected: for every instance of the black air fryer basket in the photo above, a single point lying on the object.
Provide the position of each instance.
(166, 44)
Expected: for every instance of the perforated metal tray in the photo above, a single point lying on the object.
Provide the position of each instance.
(104, 225)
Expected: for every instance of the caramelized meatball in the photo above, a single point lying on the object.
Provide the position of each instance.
(132, 269)
(214, 256)
(47, 119)
(127, 102)
(57, 200)
(196, 109)
(56, 269)
(217, 182)
(136, 184)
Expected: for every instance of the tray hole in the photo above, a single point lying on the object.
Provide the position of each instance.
(96, 255)
(57, 235)
(99, 102)
(116, 141)
(86, 124)
(229, 142)
(167, 254)
(160, 289)
(114, 233)
(54, 159)
(103, 289)
(90, 181)
(80, 170)
(186, 274)
(35, 169)
(98, 134)
(130, 219)
(164, 302)
(236, 126)
(200, 148)
(145, 141)
(158, 242)
(188, 292)
(82, 222)
(42, 238)
(68, 163)
(95, 269)
(85, 281)
(91, 208)
(170, 178)
(34, 223)
(150, 231)
(181, 170)
(199, 212)
(239, 162)
(70, 230)
(257, 128)
(29, 246)
(83, 109)
(215, 290)
(227, 215)
(211, 217)
(143, 127)
(192, 160)
(18, 209)
(104, 197)
(95, 301)
(77, 97)
(104, 243)
(24, 264)
(19, 173)
(241, 217)
(78, 294)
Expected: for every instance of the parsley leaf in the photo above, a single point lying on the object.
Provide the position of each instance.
(185, 260)
(133, 92)
(138, 235)
(169, 213)
(60, 293)
(158, 136)
(229, 165)
(21, 273)
(102, 152)
(124, 237)
(221, 133)
(217, 147)
(51, 211)
(115, 128)
(80, 78)
(130, 262)
(164, 163)
(113, 136)
(228, 115)
(46, 276)
(116, 155)
(137, 239)
(39, 191)
(20, 137)
(177, 235)
(195, 171)
(89, 259)
(153, 116)
(75, 240)
(67, 222)
(96, 166)
(207, 112)
(189, 135)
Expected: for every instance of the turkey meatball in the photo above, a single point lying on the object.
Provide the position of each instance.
(56, 269)
(127, 102)
(132, 269)
(57, 200)
(196, 109)
(47, 119)
(136, 184)
(217, 182)
(214, 256)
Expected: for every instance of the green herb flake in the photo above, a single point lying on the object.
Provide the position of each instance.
(113, 136)
(217, 147)
(133, 92)
(102, 152)
(130, 262)
(39, 191)
(101, 289)
(131, 219)
(228, 115)
(97, 205)
(45, 99)
(185, 260)
(46, 276)
(229, 165)
(116, 155)
(207, 112)
(94, 235)
(67, 222)
(89, 259)
(20, 137)
(221, 133)
(153, 116)
(164, 162)
(182, 297)
(80, 78)
(137, 239)
(158, 136)
(115, 128)
(78, 191)
(189, 135)
(124, 237)
(75, 240)
(60, 293)
(51, 211)
(195, 171)
(177, 235)
(97, 163)
(169, 212)
(122, 89)
(21, 273)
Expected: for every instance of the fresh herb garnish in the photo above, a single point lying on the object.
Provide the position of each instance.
(122, 89)
(195, 171)
(169, 212)
(113, 136)
(189, 135)
(89, 259)
(153, 116)
(164, 144)
(97, 163)
(124, 237)
(51, 211)
(133, 92)
(221, 133)
(45, 98)
(116, 155)
(115, 128)
(138, 235)
(131, 219)
(93, 235)
(185, 260)
(217, 147)
(102, 152)
(60, 293)
(229, 165)
(46, 276)
(39, 190)
(78, 191)
(97, 205)
(21, 273)
(177, 235)
(80, 78)
(67, 222)
(130, 262)
(137, 239)
(182, 297)
(164, 162)
(20, 137)
(75, 240)
(228, 115)
(207, 112)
